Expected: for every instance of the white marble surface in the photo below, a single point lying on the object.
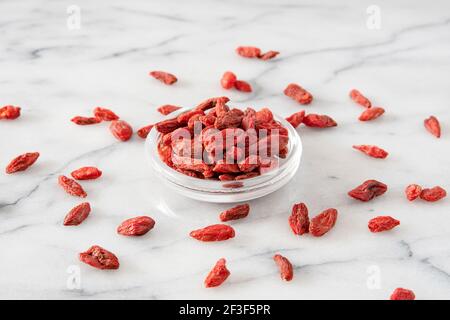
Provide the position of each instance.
(54, 73)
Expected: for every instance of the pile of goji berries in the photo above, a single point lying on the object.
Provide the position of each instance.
(221, 151)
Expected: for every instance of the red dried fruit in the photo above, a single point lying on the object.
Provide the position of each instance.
(183, 118)
(268, 55)
(83, 121)
(9, 112)
(433, 126)
(238, 212)
(433, 194)
(137, 226)
(99, 258)
(243, 86)
(215, 232)
(105, 114)
(299, 219)
(217, 275)
(356, 96)
(371, 113)
(382, 223)
(403, 294)
(78, 214)
(211, 103)
(263, 116)
(229, 119)
(144, 131)
(167, 126)
(368, 190)
(223, 167)
(248, 52)
(372, 151)
(71, 187)
(167, 108)
(165, 77)
(319, 121)
(285, 266)
(297, 93)
(249, 164)
(228, 80)
(413, 191)
(121, 130)
(246, 176)
(322, 223)
(86, 173)
(22, 162)
(296, 119)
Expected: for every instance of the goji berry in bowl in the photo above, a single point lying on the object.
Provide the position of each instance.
(210, 189)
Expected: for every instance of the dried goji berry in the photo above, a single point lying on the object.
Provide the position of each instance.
(433, 194)
(228, 80)
(167, 108)
(413, 191)
(71, 187)
(99, 258)
(223, 167)
(382, 223)
(297, 93)
(83, 121)
(22, 162)
(243, 86)
(121, 130)
(433, 126)
(144, 131)
(105, 114)
(247, 175)
(403, 294)
(215, 232)
(9, 112)
(248, 52)
(211, 103)
(167, 126)
(356, 96)
(86, 173)
(217, 275)
(319, 121)
(296, 119)
(263, 116)
(137, 226)
(299, 219)
(285, 266)
(371, 113)
(238, 212)
(165, 77)
(78, 214)
(322, 223)
(368, 190)
(249, 164)
(185, 116)
(228, 120)
(268, 55)
(372, 151)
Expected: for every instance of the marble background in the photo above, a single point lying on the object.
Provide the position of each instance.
(54, 73)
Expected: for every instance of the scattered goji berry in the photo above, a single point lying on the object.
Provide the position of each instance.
(144, 131)
(248, 52)
(382, 223)
(104, 114)
(167, 108)
(299, 219)
(268, 55)
(243, 86)
(403, 294)
(22, 162)
(371, 113)
(297, 93)
(319, 121)
(83, 121)
(433, 126)
(372, 151)
(216, 232)
(323, 222)
(413, 191)
(285, 266)
(121, 130)
(217, 275)
(165, 77)
(296, 119)
(433, 194)
(356, 96)
(228, 80)
(137, 226)
(71, 187)
(238, 212)
(99, 258)
(9, 112)
(86, 173)
(78, 214)
(368, 190)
